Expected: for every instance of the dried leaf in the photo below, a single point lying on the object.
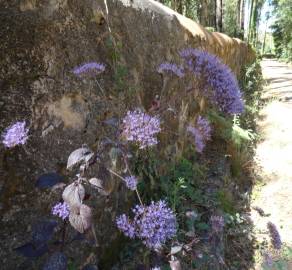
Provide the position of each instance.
(175, 265)
(86, 215)
(76, 222)
(80, 155)
(82, 221)
(175, 249)
(58, 186)
(73, 195)
(96, 182)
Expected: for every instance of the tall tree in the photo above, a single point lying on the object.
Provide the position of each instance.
(242, 14)
(219, 15)
(251, 7)
(177, 5)
(230, 18)
(255, 14)
(204, 12)
(282, 26)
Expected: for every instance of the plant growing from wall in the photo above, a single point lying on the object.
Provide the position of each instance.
(138, 131)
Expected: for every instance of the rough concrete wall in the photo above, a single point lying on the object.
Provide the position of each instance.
(233, 52)
(41, 42)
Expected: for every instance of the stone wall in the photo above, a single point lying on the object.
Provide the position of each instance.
(41, 42)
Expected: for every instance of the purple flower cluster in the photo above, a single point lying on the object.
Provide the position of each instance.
(268, 259)
(217, 223)
(274, 235)
(61, 210)
(126, 226)
(201, 133)
(141, 128)
(131, 182)
(221, 87)
(91, 68)
(153, 224)
(15, 134)
(170, 67)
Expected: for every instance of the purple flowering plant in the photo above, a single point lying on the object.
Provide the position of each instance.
(201, 133)
(131, 182)
(219, 84)
(15, 134)
(171, 68)
(91, 68)
(217, 223)
(141, 128)
(212, 79)
(274, 235)
(61, 210)
(154, 223)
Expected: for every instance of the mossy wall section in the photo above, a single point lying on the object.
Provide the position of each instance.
(41, 42)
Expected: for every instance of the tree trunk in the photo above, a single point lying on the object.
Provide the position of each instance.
(254, 23)
(213, 22)
(242, 14)
(204, 13)
(238, 13)
(179, 6)
(265, 35)
(250, 20)
(219, 15)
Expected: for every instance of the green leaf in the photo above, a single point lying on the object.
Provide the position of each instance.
(202, 226)
(281, 265)
(289, 252)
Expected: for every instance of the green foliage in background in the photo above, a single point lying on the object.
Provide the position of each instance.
(282, 28)
(230, 24)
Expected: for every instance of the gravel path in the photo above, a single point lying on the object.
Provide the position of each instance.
(274, 153)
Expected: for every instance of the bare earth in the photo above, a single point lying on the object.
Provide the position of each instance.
(274, 153)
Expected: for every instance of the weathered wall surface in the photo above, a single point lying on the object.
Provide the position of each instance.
(41, 42)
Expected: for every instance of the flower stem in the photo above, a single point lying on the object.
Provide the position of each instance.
(63, 235)
(139, 197)
(116, 174)
(119, 176)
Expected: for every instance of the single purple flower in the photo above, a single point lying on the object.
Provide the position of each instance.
(170, 67)
(201, 133)
(61, 210)
(274, 235)
(221, 87)
(217, 223)
(15, 134)
(91, 68)
(131, 182)
(141, 128)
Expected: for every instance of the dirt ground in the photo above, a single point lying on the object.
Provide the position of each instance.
(274, 156)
